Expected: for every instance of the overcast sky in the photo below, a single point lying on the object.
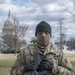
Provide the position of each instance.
(32, 12)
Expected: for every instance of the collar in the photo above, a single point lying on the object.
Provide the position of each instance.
(47, 49)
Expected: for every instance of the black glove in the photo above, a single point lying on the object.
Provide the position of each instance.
(33, 65)
(45, 65)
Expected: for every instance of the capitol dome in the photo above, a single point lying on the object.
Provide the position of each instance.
(9, 23)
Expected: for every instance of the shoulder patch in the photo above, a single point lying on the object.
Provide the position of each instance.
(65, 60)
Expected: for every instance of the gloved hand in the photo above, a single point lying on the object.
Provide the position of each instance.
(45, 65)
(33, 65)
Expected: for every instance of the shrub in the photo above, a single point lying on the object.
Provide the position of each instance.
(9, 51)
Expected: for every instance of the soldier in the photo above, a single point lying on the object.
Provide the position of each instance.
(42, 58)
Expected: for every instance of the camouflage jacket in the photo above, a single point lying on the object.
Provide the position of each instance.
(53, 54)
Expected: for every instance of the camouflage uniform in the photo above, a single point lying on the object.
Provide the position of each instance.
(61, 66)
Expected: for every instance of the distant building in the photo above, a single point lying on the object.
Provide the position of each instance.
(8, 26)
(8, 32)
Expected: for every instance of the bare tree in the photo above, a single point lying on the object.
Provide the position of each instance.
(62, 35)
(20, 30)
(15, 37)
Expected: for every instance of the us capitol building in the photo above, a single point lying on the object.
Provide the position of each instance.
(9, 33)
(9, 26)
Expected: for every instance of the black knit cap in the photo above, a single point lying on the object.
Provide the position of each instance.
(43, 27)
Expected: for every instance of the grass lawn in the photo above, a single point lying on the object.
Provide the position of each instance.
(6, 61)
(73, 63)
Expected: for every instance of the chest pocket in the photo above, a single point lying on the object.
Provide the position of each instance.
(52, 57)
(28, 54)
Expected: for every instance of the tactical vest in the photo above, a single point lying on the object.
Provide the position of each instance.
(28, 53)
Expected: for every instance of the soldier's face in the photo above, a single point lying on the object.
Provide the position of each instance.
(43, 38)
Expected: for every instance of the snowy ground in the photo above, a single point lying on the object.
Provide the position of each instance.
(67, 51)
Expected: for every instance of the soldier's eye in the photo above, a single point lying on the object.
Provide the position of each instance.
(46, 33)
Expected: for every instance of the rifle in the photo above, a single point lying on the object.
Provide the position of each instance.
(44, 72)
